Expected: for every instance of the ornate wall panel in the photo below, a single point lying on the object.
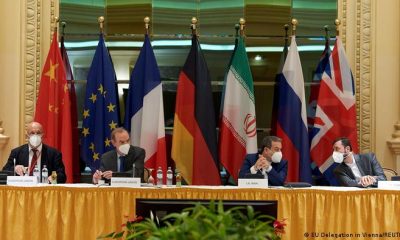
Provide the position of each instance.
(31, 61)
(362, 64)
(366, 96)
(33, 54)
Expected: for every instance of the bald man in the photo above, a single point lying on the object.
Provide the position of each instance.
(45, 155)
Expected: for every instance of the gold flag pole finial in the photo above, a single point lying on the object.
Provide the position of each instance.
(294, 26)
(337, 24)
(55, 22)
(63, 25)
(147, 24)
(326, 28)
(193, 26)
(242, 23)
(100, 20)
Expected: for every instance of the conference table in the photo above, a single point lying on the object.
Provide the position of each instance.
(85, 211)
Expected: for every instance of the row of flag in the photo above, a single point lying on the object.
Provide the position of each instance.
(307, 135)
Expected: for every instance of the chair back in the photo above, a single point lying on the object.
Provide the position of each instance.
(389, 173)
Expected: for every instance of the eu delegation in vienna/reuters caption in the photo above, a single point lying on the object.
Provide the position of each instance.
(206, 119)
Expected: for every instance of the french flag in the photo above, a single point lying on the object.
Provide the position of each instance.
(292, 118)
(144, 113)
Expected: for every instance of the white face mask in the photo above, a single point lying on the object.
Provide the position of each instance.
(35, 140)
(337, 157)
(276, 157)
(124, 148)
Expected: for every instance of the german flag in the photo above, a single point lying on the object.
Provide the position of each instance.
(194, 141)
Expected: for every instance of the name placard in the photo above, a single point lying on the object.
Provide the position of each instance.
(252, 183)
(22, 180)
(125, 182)
(389, 185)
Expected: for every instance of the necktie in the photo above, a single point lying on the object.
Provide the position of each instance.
(33, 162)
(122, 164)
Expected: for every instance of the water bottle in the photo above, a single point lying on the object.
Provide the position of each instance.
(264, 172)
(159, 177)
(36, 173)
(178, 178)
(45, 174)
(53, 177)
(169, 176)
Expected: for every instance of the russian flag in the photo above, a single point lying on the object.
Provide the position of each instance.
(144, 113)
(292, 118)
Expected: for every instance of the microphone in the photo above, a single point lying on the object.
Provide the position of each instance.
(14, 166)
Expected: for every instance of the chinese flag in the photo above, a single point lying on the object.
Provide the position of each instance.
(53, 107)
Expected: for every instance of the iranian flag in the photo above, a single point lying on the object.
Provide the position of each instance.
(238, 133)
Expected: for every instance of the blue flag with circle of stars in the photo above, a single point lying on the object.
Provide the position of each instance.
(100, 112)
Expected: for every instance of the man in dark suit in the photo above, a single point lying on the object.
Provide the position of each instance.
(355, 170)
(122, 158)
(35, 153)
(268, 162)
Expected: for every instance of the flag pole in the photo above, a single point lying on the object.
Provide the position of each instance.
(55, 23)
(326, 28)
(337, 24)
(193, 26)
(100, 20)
(63, 25)
(286, 27)
(294, 26)
(147, 24)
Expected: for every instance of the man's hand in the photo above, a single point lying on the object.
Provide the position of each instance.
(262, 163)
(20, 170)
(366, 181)
(97, 176)
(107, 174)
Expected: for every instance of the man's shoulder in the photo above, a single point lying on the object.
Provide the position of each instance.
(20, 148)
(365, 156)
(339, 168)
(280, 165)
(109, 153)
(50, 149)
(136, 149)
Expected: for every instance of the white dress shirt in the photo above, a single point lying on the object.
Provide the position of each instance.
(39, 156)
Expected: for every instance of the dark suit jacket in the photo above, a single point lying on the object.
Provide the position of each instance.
(109, 161)
(50, 157)
(277, 175)
(366, 163)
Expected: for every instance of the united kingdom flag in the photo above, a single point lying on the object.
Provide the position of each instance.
(335, 114)
(314, 90)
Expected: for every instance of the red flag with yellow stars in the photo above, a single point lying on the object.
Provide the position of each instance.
(53, 107)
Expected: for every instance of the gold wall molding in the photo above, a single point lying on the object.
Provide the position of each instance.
(356, 19)
(3, 138)
(31, 61)
(364, 77)
(37, 24)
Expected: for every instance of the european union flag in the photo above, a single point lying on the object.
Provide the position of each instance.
(100, 113)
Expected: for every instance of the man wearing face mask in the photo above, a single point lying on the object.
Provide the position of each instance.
(355, 170)
(34, 153)
(269, 161)
(122, 158)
